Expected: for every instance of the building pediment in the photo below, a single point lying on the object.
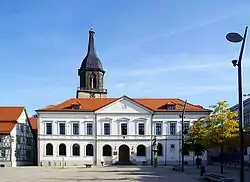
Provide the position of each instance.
(124, 105)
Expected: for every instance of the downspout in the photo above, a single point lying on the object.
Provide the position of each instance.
(166, 144)
(95, 156)
(151, 157)
(11, 151)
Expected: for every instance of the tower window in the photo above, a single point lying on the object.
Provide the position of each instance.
(92, 81)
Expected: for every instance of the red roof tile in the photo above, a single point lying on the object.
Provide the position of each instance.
(6, 126)
(10, 113)
(8, 118)
(33, 123)
(93, 104)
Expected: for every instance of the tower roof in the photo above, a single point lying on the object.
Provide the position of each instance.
(91, 60)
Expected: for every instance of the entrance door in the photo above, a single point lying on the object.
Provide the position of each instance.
(123, 154)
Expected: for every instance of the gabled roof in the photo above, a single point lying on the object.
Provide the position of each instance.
(93, 104)
(6, 126)
(9, 113)
(8, 118)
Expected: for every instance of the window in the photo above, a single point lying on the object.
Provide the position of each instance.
(159, 149)
(75, 106)
(75, 128)
(92, 81)
(49, 149)
(172, 128)
(158, 129)
(49, 128)
(89, 129)
(107, 150)
(89, 150)
(171, 107)
(141, 150)
(62, 128)
(141, 128)
(22, 128)
(62, 149)
(124, 129)
(76, 150)
(185, 127)
(106, 129)
(3, 153)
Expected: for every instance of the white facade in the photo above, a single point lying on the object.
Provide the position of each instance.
(123, 112)
(17, 148)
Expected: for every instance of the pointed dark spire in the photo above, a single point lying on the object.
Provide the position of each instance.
(91, 60)
(91, 46)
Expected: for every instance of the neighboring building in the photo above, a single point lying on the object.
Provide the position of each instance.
(16, 137)
(33, 122)
(246, 111)
(113, 130)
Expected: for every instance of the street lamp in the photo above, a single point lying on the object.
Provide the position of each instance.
(182, 135)
(236, 38)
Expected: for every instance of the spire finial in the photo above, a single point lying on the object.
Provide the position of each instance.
(91, 28)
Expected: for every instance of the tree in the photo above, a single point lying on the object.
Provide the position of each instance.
(212, 130)
(196, 138)
(222, 124)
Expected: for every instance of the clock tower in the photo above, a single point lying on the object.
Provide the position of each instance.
(91, 74)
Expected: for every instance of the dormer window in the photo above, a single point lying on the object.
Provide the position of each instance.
(171, 107)
(75, 106)
(168, 106)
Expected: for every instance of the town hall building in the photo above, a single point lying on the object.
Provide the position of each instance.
(95, 129)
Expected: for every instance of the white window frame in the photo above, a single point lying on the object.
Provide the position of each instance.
(45, 127)
(106, 122)
(161, 123)
(169, 130)
(86, 129)
(72, 128)
(58, 127)
(141, 122)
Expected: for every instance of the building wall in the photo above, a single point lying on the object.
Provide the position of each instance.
(117, 113)
(23, 143)
(5, 150)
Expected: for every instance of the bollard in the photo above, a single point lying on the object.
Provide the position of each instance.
(102, 163)
(49, 163)
(41, 164)
(203, 170)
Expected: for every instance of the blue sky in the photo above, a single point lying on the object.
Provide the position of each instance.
(149, 48)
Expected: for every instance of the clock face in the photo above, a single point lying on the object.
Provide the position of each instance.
(92, 95)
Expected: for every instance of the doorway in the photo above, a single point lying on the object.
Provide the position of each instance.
(123, 154)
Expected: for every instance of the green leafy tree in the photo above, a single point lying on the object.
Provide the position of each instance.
(212, 130)
(222, 124)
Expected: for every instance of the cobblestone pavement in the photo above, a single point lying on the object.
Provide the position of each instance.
(102, 174)
(193, 171)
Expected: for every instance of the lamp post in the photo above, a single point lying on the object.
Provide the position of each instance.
(235, 38)
(182, 135)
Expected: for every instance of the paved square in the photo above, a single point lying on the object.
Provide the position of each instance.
(102, 174)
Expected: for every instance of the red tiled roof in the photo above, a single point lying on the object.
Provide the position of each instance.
(93, 104)
(33, 123)
(6, 126)
(8, 118)
(10, 113)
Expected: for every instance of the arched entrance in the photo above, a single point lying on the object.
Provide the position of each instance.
(123, 154)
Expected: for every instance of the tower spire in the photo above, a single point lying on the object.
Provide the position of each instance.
(91, 72)
(91, 46)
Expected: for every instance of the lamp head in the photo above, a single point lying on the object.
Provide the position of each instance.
(234, 37)
(235, 63)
